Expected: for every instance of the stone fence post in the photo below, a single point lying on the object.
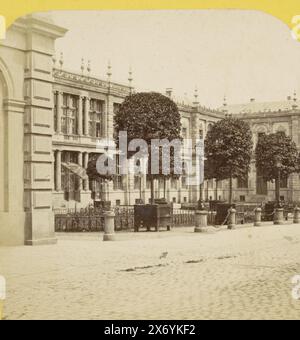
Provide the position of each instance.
(257, 218)
(109, 226)
(278, 216)
(231, 218)
(297, 215)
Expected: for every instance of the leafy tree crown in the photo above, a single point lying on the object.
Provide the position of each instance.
(228, 149)
(275, 151)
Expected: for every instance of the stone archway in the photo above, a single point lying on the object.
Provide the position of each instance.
(3, 155)
(26, 115)
(12, 215)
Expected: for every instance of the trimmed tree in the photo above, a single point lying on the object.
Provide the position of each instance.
(228, 150)
(277, 157)
(148, 116)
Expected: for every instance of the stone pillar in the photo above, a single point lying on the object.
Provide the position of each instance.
(109, 117)
(168, 190)
(59, 111)
(58, 170)
(109, 226)
(144, 187)
(126, 188)
(85, 165)
(232, 219)
(80, 115)
(38, 152)
(200, 221)
(179, 186)
(296, 215)
(156, 188)
(86, 115)
(278, 216)
(257, 218)
(80, 162)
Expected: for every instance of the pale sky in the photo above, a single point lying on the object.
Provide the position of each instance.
(240, 54)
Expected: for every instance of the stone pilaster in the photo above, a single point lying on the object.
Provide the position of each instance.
(85, 165)
(59, 111)
(109, 117)
(86, 115)
(80, 116)
(80, 162)
(58, 170)
(38, 155)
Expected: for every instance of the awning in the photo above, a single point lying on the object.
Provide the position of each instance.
(76, 169)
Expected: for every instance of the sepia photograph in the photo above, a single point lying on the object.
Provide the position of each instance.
(150, 168)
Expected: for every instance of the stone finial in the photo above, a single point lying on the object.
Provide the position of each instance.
(295, 105)
(89, 67)
(109, 72)
(82, 65)
(130, 79)
(225, 110)
(61, 60)
(169, 92)
(196, 102)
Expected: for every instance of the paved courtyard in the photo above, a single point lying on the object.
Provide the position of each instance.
(244, 273)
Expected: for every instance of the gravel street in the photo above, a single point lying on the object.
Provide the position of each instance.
(239, 274)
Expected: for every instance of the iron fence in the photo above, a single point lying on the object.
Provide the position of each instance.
(91, 219)
(182, 217)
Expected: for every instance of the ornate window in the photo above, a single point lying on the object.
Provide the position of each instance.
(118, 178)
(283, 182)
(174, 183)
(69, 120)
(242, 183)
(261, 183)
(137, 182)
(95, 117)
(70, 181)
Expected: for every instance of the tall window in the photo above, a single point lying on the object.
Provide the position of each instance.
(242, 183)
(201, 134)
(69, 123)
(70, 181)
(210, 184)
(116, 107)
(174, 183)
(118, 178)
(184, 180)
(261, 183)
(209, 127)
(95, 117)
(283, 182)
(184, 133)
(137, 182)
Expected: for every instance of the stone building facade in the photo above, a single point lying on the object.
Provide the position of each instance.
(51, 120)
(84, 108)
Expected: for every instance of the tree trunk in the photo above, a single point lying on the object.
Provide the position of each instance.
(201, 191)
(216, 191)
(230, 190)
(277, 190)
(152, 190)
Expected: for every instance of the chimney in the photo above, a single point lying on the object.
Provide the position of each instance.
(169, 91)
